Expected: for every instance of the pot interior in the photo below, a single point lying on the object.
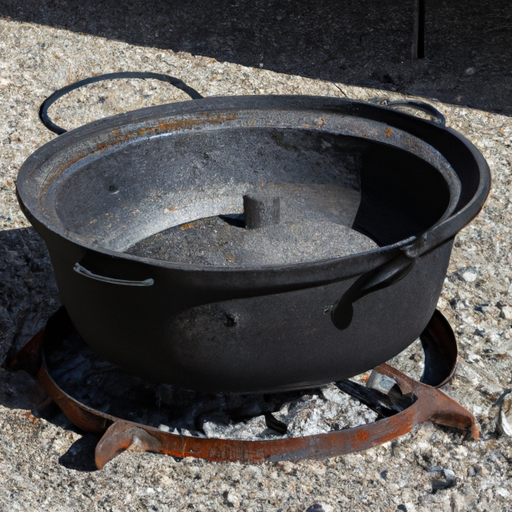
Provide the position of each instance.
(345, 185)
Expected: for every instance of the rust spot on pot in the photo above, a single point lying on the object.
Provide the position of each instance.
(119, 135)
(167, 126)
(389, 131)
(214, 119)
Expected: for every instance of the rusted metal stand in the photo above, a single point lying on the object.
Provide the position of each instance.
(430, 404)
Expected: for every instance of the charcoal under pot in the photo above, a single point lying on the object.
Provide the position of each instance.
(252, 244)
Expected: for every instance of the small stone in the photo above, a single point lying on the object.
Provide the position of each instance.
(287, 467)
(233, 499)
(317, 468)
(442, 303)
(320, 507)
(475, 470)
(445, 479)
(470, 275)
(506, 312)
(503, 492)
(505, 414)
(407, 507)
(460, 452)
(470, 71)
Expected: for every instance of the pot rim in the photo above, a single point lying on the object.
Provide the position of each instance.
(341, 267)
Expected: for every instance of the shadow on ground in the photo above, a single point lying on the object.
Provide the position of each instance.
(466, 44)
(80, 455)
(28, 296)
(28, 293)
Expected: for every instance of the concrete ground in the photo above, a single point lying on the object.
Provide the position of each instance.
(465, 45)
(355, 49)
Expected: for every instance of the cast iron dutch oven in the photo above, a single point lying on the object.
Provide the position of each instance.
(95, 192)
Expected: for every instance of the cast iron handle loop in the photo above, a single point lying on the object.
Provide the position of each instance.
(48, 102)
(386, 275)
(79, 269)
(420, 105)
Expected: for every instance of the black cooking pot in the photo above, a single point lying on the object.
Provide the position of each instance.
(95, 192)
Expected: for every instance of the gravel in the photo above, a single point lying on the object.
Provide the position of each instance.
(45, 464)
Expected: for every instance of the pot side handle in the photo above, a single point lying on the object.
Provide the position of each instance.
(387, 274)
(48, 102)
(79, 269)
